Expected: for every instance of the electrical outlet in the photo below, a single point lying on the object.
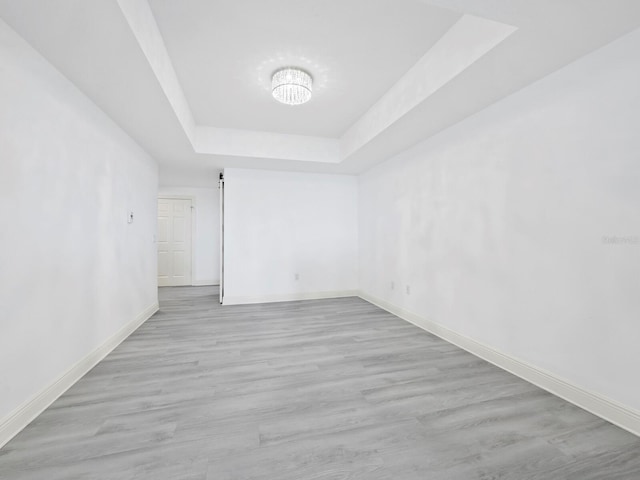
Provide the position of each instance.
(393, 285)
(297, 276)
(408, 290)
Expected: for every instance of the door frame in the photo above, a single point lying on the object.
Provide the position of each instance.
(193, 225)
(221, 200)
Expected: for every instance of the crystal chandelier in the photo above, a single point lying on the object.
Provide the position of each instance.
(291, 86)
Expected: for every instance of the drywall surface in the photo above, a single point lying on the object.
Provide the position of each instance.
(205, 236)
(520, 226)
(250, 143)
(172, 176)
(73, 271)
(279, 225)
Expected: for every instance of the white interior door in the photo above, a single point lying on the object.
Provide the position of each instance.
(174, 242)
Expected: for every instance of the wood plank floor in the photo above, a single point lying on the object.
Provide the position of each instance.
(322, 389)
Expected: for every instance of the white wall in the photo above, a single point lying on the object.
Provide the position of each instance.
(190, 177)
(73, 271)
(498, 225)
(205, 232)
(281, 224)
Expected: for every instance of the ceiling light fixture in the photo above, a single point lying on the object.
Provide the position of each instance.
(291, 86)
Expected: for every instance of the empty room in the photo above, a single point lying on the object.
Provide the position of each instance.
(320, 239)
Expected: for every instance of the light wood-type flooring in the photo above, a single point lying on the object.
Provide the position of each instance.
(323, 389)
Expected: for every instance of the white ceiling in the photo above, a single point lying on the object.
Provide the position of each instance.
(225, 51)
(202, 102)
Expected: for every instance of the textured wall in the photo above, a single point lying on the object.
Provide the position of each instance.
(520, 226)
(73, 271)
(280, 224)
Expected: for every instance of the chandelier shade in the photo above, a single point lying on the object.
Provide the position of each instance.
(291, 86)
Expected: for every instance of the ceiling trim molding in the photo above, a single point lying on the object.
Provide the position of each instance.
(468, 40)
(145, 29)
(256, 144)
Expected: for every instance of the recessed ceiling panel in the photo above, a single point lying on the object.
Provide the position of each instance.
(224, 53)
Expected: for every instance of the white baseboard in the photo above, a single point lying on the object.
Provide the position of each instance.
(11, 425)
(288, 297)
(621, 415)
(204, 283)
